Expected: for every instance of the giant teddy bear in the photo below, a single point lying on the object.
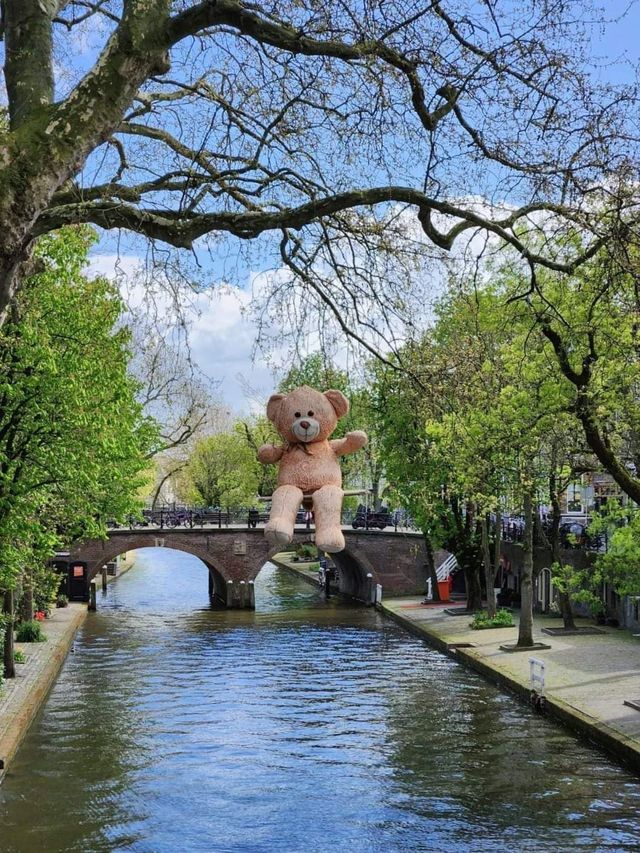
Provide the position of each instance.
(305, 418)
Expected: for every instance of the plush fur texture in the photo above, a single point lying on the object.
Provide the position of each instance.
(305, 418)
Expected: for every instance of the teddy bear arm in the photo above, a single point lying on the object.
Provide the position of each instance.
(269, 454)
(351, 442)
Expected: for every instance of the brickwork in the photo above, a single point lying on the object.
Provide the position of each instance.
(394, 560)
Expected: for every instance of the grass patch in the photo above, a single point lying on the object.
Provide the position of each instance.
(502, 619)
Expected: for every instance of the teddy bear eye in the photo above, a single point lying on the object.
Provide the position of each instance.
(310, 414)
(297, 415)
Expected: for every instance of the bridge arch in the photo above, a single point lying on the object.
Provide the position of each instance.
(235, 555)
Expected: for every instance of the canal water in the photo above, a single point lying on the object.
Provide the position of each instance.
(305, 726)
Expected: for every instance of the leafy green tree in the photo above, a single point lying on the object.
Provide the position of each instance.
(73, 438)
(222, 471)
(257, 432)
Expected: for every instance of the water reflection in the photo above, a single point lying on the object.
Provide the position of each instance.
(306, 725)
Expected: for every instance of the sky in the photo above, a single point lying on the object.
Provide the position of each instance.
(222, 335)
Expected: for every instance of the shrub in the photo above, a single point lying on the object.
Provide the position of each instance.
(502, 619)
(30, 632)
(306, 551)
(62, 601)
(19, 656)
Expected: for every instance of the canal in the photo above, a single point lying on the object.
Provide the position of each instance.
(305, 726)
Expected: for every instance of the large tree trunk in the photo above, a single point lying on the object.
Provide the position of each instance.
(554, 541)
(488, 568)
(497, 544)
(467, 553)
(26, 603)
(7, 609)
(525, 631)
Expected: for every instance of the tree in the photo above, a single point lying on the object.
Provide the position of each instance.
(200, 118)
(590, 323)
(257, 432)
(73, 437)
(222, 471)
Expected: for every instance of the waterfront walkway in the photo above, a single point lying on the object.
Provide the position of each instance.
(588, 676)
(22, 696)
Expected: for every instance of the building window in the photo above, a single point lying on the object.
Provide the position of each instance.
(574, 498)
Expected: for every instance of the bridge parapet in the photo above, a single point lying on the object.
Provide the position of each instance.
(234, 556)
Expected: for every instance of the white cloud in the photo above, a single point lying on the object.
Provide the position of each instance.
(221, 335)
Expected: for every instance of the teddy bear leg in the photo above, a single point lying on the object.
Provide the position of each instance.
(285, 502)
(327, 506)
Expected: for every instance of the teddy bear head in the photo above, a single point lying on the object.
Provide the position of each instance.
(306, 415)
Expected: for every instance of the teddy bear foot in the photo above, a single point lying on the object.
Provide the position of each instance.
(330, 541)
(277, 533)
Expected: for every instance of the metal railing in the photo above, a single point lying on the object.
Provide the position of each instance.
(175, 516)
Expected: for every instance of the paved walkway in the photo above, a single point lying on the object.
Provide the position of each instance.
(22, 696)
(588, 677)
(285, 560)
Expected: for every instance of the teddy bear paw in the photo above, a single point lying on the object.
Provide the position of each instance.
(278, 533)
(331, 540)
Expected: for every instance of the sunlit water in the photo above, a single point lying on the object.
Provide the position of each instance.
(305, 726)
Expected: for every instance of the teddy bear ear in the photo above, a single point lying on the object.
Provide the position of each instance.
(273, 405)
(338, 401)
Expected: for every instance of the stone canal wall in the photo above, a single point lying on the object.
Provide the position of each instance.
(589, 678)
(22, 697)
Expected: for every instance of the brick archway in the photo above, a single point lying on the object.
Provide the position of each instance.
(234, 556)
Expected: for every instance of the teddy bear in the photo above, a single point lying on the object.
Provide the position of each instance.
(309, 466)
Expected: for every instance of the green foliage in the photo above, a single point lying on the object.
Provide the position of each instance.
(73, 438)
(316, 372)
(30, 632)
(255, 433)
(222, 471)
(502, 619)
(62, 601)
(620, 565)
(46, 582)
(306, 551)
(19, 656)
(581, 585)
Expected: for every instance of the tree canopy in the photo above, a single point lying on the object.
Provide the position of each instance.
(73, 437)
(194, 119)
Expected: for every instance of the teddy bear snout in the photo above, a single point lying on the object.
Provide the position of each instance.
(306, 429)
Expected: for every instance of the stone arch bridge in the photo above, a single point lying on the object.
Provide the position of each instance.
(234, 556)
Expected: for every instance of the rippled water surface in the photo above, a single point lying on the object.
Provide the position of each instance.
(306, 726)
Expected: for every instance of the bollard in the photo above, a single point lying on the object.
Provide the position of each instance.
(103, 572)
(371, 593)
(92, 596)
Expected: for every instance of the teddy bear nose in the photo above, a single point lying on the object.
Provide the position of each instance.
(304, 424)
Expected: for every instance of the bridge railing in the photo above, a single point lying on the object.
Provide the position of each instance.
(174, 516)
